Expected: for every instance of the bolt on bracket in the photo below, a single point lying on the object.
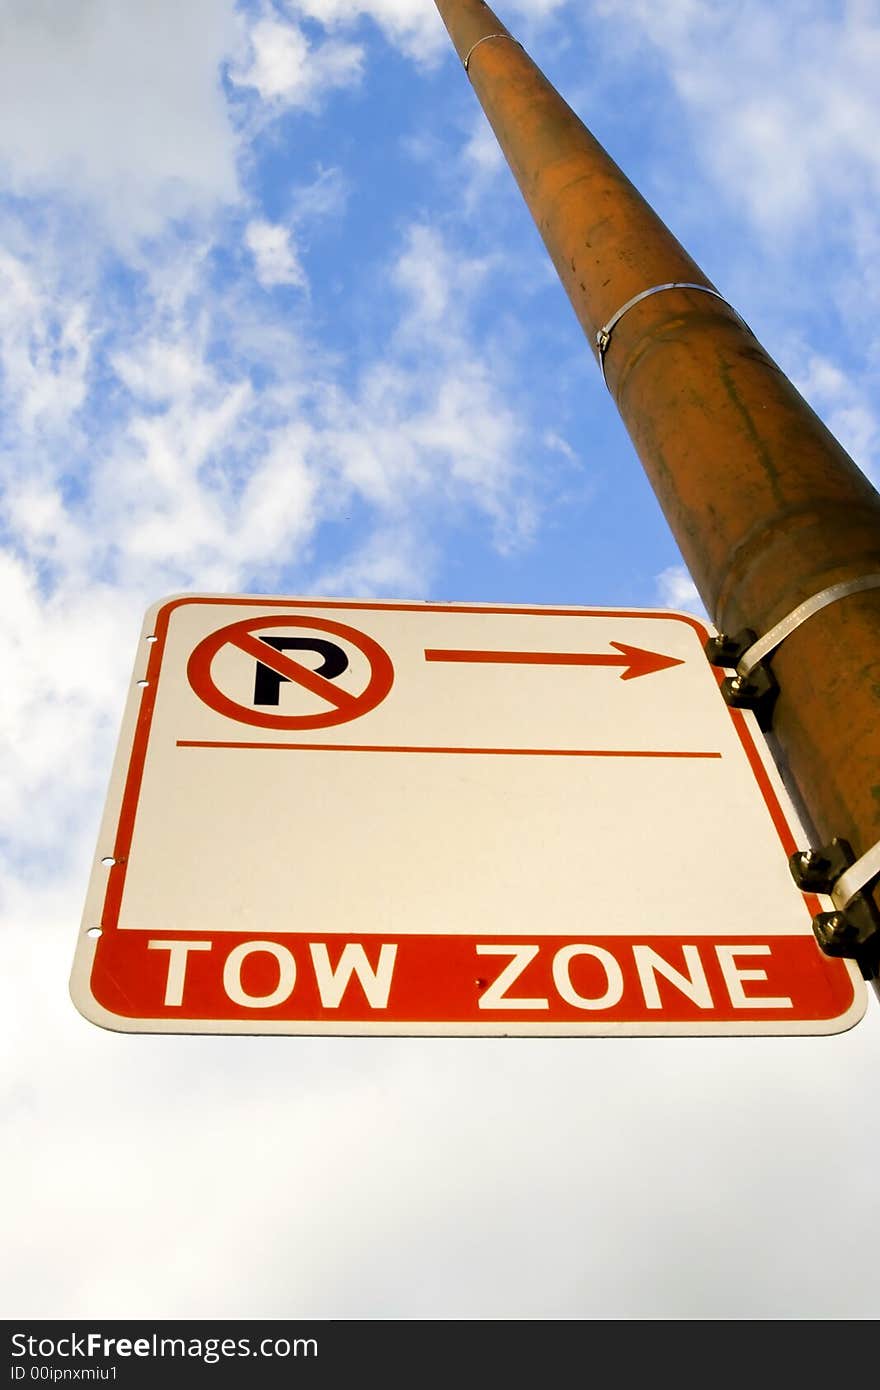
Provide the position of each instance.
(757, 691)
(852, 929)
(754, 686)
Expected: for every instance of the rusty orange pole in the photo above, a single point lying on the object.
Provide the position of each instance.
(767, 508)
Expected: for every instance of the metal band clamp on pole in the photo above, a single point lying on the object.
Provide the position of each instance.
(603, 336)
(754, 685)
(857, 877)
(467, 58)
(761, 649)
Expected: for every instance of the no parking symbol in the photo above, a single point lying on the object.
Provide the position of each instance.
(274, 666)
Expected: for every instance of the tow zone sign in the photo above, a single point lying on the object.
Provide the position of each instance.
(334, 816)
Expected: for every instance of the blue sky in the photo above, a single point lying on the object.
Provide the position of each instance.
(274, 319)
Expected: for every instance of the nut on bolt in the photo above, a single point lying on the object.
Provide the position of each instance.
(833, 931)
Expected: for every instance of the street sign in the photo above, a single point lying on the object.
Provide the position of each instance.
(338, 816)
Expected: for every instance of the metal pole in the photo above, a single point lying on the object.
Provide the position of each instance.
(767, 508)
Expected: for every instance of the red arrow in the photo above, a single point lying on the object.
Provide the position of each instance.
(635, 660)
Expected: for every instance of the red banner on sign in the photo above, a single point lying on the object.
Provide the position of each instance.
(465, 980)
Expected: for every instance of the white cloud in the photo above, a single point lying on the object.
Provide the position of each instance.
(121, 106)
(58, 712)
(412, 25)
(783, 101)
(440, 285)
(275, 256)
(676, 589)
(845, 404)
(201, 1117)
(391, 561)
(286, 70)
(158, 371)
(482, 150)
(325, 196)
(44, 348)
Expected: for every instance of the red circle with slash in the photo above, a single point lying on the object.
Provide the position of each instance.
(344, 705)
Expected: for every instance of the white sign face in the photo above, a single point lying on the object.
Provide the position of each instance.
(335, 816)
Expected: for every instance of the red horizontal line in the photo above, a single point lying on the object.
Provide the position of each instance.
(392, 748)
